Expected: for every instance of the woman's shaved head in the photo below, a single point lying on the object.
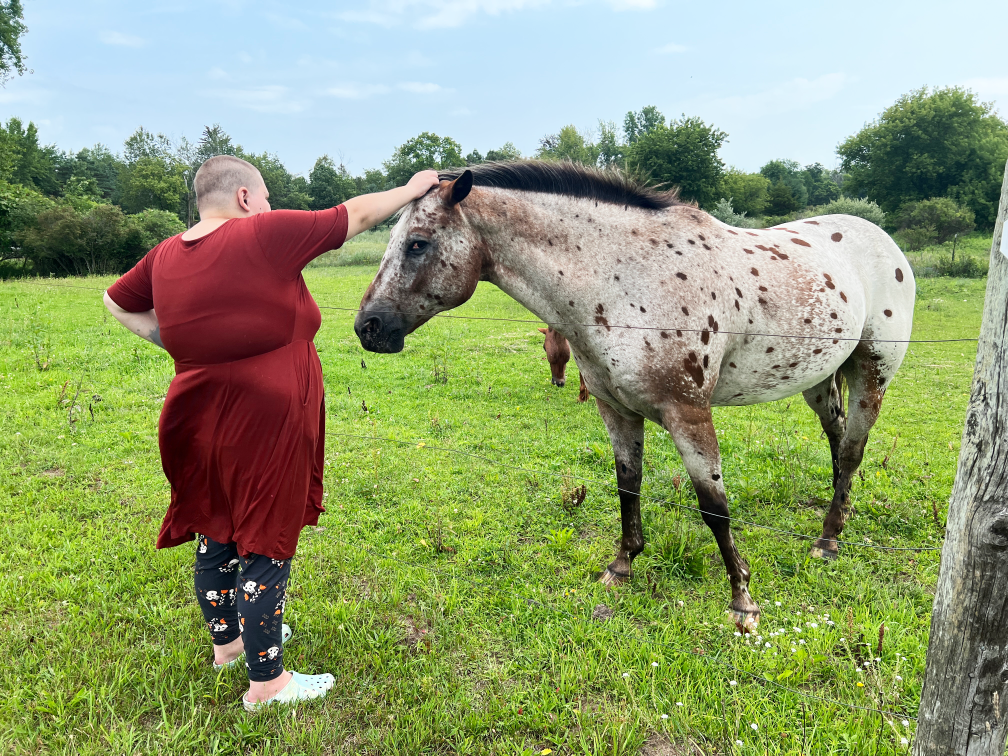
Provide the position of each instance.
(219, 179)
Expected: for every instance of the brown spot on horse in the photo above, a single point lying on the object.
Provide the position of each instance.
(800, 242)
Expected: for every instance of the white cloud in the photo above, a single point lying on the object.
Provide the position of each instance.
(792, 95)
(441, 14)
(27, 96)
(420, 87)
(121, 40)
(269, 98)
(671, 48)
(218, 74)
(357, 91)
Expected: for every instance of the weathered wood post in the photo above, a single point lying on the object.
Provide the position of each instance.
(964, 702)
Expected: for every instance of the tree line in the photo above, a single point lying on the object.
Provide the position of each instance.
(928, 167)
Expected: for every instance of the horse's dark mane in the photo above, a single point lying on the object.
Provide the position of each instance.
(568, 179)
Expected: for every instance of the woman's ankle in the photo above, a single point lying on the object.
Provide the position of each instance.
(265, 689)
(229, 651)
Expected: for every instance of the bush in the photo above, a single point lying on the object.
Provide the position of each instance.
(101, 241)
(862, 208)
(933, 221)
(963, 266)
(723, 212)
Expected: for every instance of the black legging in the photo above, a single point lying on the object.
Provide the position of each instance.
(249, 603)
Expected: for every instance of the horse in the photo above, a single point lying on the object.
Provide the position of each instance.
(558, 355)
(668, 312)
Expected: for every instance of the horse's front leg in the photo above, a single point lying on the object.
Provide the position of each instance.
(692, 430)
(627, 436)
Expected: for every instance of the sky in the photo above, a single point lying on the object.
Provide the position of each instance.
(354, 80)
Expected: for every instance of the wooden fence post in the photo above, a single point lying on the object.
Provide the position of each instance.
(964, 702)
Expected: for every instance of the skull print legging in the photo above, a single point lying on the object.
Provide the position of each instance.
(243, 596)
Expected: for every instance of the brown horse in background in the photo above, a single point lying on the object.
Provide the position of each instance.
(558, 355)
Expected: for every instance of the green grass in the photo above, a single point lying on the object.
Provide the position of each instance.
(453, 598)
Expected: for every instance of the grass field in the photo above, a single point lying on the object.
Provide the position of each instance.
(453, 598)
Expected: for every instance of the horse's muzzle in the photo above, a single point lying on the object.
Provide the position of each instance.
(380, 330)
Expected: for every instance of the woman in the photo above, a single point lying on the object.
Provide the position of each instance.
(242, 431)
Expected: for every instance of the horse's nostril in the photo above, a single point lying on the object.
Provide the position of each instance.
(371, 325)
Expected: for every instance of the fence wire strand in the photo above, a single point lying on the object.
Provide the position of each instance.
(559, 325)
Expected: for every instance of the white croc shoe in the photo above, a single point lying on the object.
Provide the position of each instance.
(300, 688)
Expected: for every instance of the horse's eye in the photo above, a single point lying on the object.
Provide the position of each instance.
(417, 247)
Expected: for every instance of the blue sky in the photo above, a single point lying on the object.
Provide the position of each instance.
(354, 80)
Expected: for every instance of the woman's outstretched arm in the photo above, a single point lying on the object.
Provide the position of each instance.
(369, 210)
(143, 324)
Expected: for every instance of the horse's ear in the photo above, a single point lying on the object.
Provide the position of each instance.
(543, 330)
(460, 187)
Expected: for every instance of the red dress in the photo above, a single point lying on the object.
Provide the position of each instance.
(242, 431)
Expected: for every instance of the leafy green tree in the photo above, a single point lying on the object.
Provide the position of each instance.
(683, 154)
(12, 28)
(215, 141)
(329, 185)
(788, 173)
(27, 162)
(507, 152)
(780, 199)
(148, 228)
(820, 184)
(97, 163)
(746, 191)
(423, 152)
(372, 181)
(146, 144)
(153, 183)
(612, 151)
(474, 158)
(935, 143)
(283, 193)
(641, 123)
(933, 221)
(569, 144)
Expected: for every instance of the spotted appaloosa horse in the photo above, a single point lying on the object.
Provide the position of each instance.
(558, 355)
(668, 312)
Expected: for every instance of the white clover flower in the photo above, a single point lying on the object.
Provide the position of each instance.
(664, 716)
(812, 624)
(654, 664)
(738, 634)
(900, 679)
(903, 741)
(681, 604)
(754, 725)
(739, 743)
(905, 723)
(678, 703)
(777, 603)
(767, 645)
(626, 675)
(733, 683)
(801, 642)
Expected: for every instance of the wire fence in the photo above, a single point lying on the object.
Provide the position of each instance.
(563, 324)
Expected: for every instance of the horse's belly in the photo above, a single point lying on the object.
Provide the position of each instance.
(765, 372)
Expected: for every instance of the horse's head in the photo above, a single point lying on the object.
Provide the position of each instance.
(433, 262)
(557, 354)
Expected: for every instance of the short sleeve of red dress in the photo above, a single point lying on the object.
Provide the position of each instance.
(134, 291)
(290, 239)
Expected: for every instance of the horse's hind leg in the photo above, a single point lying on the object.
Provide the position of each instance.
(866, 385)
(692, 430)
(627, 436)
(827, 402)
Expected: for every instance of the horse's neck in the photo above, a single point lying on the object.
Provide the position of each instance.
(537, 250)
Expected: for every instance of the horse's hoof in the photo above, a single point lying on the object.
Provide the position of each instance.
(746, 621)
(612, 579)
(824, 552)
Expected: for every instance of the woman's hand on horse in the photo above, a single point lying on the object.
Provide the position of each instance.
(367, 210)
(421, 183)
